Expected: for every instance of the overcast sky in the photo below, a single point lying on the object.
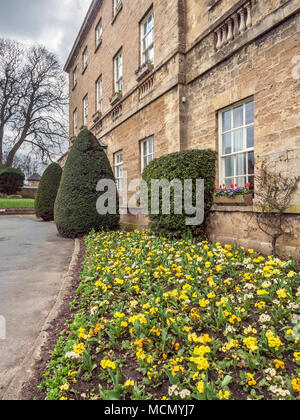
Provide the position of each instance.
(53, 23)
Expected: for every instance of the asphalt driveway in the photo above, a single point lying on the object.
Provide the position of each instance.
(32, 261)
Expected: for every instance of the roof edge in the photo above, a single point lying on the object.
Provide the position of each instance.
(88, 21)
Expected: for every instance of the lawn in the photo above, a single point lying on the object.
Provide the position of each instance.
(16, 204)
(159, 319)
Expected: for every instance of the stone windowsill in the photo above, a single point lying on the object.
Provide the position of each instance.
(234, 209)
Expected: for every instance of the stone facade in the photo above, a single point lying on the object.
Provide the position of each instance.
(208, 56)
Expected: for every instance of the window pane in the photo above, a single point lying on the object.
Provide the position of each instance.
(251, 163)
(150, 146)
(226, 121)
(238, 117)
(150, 54)
(229, 166)
(249, 112)
(238, 140)
(241, 181)
(145, 148)
(226, 144)
(241, 164)
(250, 137)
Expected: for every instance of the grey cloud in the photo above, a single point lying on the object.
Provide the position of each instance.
(53, 23)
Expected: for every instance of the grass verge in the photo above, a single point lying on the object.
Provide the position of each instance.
(16, 204)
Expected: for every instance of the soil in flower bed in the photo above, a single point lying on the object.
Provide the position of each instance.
(177, 320)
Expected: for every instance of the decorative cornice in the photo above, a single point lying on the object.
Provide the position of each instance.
(87, 23)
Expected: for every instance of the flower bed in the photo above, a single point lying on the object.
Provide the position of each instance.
(159, 319)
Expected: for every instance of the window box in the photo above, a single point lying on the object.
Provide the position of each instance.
(143, 71)
(96, 116)
(116, 97)
(238, 200)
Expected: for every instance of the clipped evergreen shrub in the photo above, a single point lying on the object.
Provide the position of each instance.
(11, 180)
(75, 211)
(47, 192)
(192, 164)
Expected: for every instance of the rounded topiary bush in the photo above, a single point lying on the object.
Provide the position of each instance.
(11, 180)
(188, 165)
(47, 192)
(75, 211)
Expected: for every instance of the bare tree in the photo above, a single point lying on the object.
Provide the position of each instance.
(33, 102)
(274, 193)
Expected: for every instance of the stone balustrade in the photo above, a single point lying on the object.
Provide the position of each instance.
(117, 112)
(233, 27)
(146, 87)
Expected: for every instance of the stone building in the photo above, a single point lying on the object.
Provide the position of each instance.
(34, 180)
(151, 77)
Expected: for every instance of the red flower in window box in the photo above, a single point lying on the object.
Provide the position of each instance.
(96, 115)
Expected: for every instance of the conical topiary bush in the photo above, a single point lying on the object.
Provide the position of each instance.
(47, 192)
(75, 207)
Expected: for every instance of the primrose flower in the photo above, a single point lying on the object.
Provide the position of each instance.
(273, 341)
(108, 364)
(251, 380)
(224, 395)
(279, 364)
(129, 383)
(297, 356)
(251, 343)
(65, 387)
(79, 348)
(200, 387)
(296, 384)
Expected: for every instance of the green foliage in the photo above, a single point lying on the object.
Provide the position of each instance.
(11, 180)
(193, 164)
(47, 192)
(75, 212)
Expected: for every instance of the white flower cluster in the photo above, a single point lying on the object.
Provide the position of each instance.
(277, 389)
(264, 318)
(72, 355)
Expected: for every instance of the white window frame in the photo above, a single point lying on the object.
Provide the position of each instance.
(148, 156)
(75, 121)
(75, 77)
(117, 5)
(85, 110)
(245, 149)
(99, 31)
(119, 171)
(99, 94)
(118, 72)
(84, 59)
(144, 51)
